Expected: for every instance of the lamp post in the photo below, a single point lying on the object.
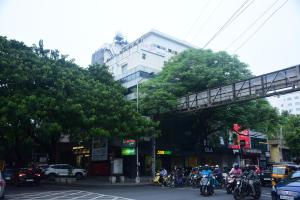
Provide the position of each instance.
(137, 179)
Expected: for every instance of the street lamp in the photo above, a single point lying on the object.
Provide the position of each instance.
(137, 179)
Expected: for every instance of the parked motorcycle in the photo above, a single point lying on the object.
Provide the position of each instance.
(206, 185)
(243, 188)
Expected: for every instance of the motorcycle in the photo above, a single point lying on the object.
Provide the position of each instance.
(170, 180)
(158, 180)
(230, 183)
(243, 188)
(195, 180)
(206, 185)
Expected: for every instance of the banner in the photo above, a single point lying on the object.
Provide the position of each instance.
(99, 149)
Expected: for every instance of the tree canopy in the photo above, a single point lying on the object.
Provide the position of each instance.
(196, 70)
(44, 96)
(291, 132)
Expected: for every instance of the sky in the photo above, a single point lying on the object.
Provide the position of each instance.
(79, 27)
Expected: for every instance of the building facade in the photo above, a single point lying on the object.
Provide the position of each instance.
(131, 63)
(288, 102)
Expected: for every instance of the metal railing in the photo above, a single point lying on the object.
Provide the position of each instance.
(274, 83)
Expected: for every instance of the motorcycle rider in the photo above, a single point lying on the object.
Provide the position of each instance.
(163, 173)
(218, 174)
(206, 170)
(236, 171)
(250, 174)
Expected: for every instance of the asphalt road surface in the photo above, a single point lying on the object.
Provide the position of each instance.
(47, 192)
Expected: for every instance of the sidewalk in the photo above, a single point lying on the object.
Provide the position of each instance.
(104, 181)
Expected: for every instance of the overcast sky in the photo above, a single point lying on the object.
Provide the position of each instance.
(80, 27)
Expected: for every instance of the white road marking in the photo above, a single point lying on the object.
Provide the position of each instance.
(88, 194)
(59, 197)
(47, 195)
(66, 194)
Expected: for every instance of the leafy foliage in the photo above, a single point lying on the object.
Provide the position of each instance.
(44, 96)
(291, 132)
(196, 70)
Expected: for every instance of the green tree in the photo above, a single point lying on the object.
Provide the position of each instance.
(291, 132)
(196, 70)
(44, 96)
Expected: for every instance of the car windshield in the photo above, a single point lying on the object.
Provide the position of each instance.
(279, 170)
(295, 174)
(8, 171)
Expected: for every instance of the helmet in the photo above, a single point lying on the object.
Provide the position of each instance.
(248, 167)
(235, 166)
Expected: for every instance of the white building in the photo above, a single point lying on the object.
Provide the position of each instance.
(288, 102)
(133, 62)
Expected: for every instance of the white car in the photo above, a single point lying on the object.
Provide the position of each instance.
(64, 170)
(2, 186)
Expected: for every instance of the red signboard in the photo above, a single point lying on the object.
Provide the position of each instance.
(243, 137)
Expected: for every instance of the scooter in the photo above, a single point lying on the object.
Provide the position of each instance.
(230, 184)
(206, 185)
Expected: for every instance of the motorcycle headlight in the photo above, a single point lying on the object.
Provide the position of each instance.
(238, 182)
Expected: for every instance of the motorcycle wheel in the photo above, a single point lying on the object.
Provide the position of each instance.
(228, 190)
(203, 190)
(211, 190)
(237, 195)
(257, 191)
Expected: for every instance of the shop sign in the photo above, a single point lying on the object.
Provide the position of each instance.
(128, 143)
(99, 149)
(235, 151)
(239, 138)
(253, 151)
(164, 152)
(208, 149)
(128, 151)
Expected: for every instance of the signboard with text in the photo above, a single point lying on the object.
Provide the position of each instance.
(164, 152)
(99, 149)
(238, 138)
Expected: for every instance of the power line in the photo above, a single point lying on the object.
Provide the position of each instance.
(208, 19)
(228, 22)
(251, 25)
(197, 19)
(247, 40)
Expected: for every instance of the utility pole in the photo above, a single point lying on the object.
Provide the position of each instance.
(137, 178)
(281, 144)
(153, 155)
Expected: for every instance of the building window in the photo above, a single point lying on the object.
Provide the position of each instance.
(124, 67)
(297, 103)
(144, 56)
(296, 97)
(170, 50)
(289, 99)
(290, 104)
(297, 109)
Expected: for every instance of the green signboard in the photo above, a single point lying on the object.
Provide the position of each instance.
(164, 152)
(128, 151)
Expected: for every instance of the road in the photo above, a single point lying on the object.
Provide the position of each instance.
(47, 192)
